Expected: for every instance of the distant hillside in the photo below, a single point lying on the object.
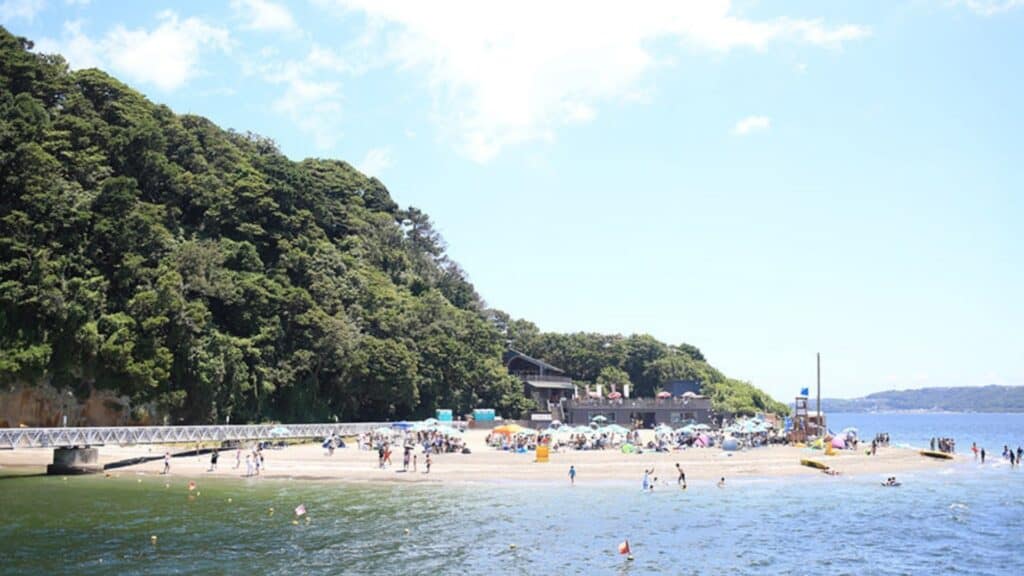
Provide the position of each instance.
(957, 399)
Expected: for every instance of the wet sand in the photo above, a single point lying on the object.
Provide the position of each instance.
(310, 461)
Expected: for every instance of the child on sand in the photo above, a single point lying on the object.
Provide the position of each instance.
(572, 475)
(167, 463)
(429, 462)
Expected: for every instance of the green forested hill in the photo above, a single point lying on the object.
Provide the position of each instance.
(203, 274)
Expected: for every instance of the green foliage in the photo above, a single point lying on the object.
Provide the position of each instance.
(612, 378)
(202, 273)
(640, 359)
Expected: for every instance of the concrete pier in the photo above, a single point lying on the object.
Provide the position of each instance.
(68, 461)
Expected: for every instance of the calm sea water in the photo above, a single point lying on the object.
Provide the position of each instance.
(963, 519)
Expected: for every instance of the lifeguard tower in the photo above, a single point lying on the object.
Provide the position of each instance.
(801, 421)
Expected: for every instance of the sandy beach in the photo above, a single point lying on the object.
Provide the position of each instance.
(485, 464)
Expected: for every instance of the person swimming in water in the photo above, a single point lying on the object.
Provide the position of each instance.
(721, 482)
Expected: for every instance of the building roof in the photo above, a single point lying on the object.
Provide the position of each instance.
(551, 384)
(512, 354)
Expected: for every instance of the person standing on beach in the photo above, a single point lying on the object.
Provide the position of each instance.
(429, 462)
(572, 475)
(415, 458)
(645, 485)
(405, 458)
(214, 456)
(167, 463)
(238, 456)
(248, 465)
(974, 449)
(681, 480)
(982, 455)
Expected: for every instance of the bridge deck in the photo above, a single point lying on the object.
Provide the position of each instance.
(12, 438)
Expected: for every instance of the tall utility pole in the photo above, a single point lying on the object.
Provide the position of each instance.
(821, 421)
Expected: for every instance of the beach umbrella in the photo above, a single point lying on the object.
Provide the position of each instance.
(403, 425)
(507, 429)
(599, 418)
(664, 394)
(701, 427)
(280, 431)
(527, 432)
(382, 430)
(615, 395)
(849, 430)
(615, 429)
(556, 424)
(663, 429)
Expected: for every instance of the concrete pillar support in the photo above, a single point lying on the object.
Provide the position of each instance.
(75, 461)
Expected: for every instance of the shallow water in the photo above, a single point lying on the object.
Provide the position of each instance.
(963, 519)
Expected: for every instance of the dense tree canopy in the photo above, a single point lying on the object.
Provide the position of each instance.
(204, 275)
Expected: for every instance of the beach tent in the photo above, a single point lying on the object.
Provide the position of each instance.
(615, 395)
(508, 429)
(730, 445)
(664, 394)
(703, 440)
(838, 443)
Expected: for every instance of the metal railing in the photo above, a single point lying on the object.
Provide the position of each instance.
(12, 438)
(692, 402)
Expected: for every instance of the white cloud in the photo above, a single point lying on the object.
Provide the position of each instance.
(990, 7)
(166, 56)
(11, 10)
(311, 101)
(264, 15)
(77, 2)
(77, 48)
(752, 124)
(506, 74)
(376, 161)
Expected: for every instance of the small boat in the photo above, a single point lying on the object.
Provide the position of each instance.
(936, 454)
(813, 464)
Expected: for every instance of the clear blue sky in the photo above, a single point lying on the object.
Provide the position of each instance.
(764, 180)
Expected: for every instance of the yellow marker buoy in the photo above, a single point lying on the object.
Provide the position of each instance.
(630, 557)
(295, 522)
(511, 546)
(139, 480)
(199, 493)
(153, 539)
(406, 530)
(229, 500)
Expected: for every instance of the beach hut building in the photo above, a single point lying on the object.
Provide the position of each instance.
(546, 384)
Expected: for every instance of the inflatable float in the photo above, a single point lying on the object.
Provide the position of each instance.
(935, 454)
(813, 464)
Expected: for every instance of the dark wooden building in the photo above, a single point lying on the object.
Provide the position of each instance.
(649, 412)
(547, 385)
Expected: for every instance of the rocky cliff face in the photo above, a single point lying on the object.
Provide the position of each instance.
(45, 406)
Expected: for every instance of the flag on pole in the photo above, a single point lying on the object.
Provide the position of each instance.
(624, 547)
(300, 510)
